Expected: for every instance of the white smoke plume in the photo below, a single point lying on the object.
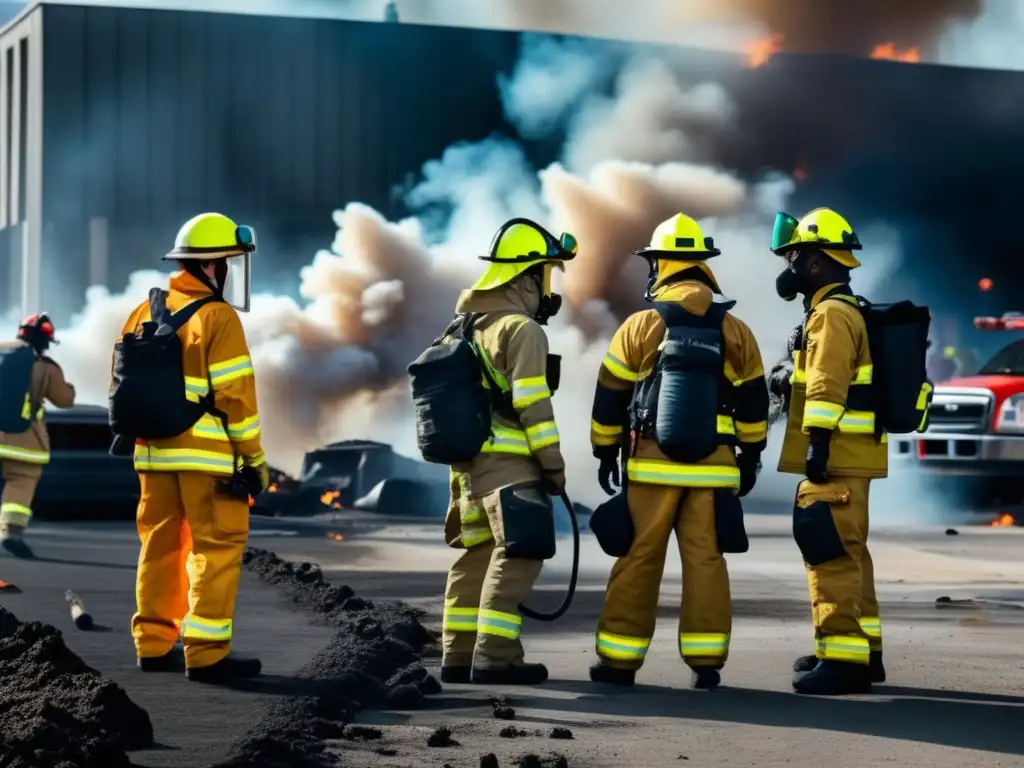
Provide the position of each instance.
(332, 366)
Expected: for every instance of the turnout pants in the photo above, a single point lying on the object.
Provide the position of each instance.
(626, 626)
(485, 586)
(20, 481)
(830, 525)
(189, 565)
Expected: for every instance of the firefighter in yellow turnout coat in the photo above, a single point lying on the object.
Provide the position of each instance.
(192, 532)
(830, 439)
(665, 495)
(508, 485)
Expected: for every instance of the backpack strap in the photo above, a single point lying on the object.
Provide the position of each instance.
(171, 322)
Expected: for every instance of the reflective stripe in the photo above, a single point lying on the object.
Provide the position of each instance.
(844, 648)
(725, 425)
(246, 429)
(209, 427)
(622, 371)
(459, 619)
(196, 388)
(198, 628)
(229, 370)
(257, 459)
(658, 472)
(923, 398)
(622, 647)
(26, 410)
(507, 625)
(601, 434)
(872, 627)
(526, 392)
(863, 375)
(499, 379)
(856, 422)
(150, 459)
(28, 455)
(705, 644)
(751, 433)
(16, 514)
(507, 440)
(541, 435)
(818, 413)
(475, 534)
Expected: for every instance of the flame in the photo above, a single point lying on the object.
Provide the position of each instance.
(889, 51)
(330, 499)
(1005, 520)
(335, 536)
(252, 501)
(985, 284)
(759, 51)
(273, 488)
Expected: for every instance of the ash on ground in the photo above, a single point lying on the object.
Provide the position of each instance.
(375, 659)
(55, 710)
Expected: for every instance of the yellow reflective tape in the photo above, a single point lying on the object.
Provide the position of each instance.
(246, 429)
(475, 534)
(725, 425)
(849, 648)
(705, 644)
(751, 433)
(499, 623)
(541, 435)
(601, 434)
(16, 514)
(209, 427)
(26, 408)
(459, 619)
(196, 386)
(507, 440)
(27, 455)
(230, 370)
(199, 628)
(922, 396)
(819, 413)
(863, 375)
(499, 379)
(657, 472)
(619, 369)
(526, 392)
(872, 626)
(150, 459)
(621, 647)
(858, 422)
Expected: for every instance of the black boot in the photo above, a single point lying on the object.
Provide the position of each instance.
(515, 674)
(11, 540)
(226, 671)
(805, 663)
(602, 673)
(834, 678)
(877, 668)
(456, 675)
(172, 661)
(705, 678)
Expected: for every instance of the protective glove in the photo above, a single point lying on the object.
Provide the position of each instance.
(553, 483)
(608, 473)
(749, 463)
(816, 467)
(257, 478)
(778, 380)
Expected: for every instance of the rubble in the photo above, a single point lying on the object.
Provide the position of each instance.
(560, 733)
(502, 710)
(511, 732)
(374, 659)
(55, 710)
(441, 737)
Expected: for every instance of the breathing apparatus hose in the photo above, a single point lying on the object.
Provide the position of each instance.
(571, 591)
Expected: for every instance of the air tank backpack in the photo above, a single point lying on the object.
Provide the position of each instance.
(452, 406)
(16, 409)
(148, 398)
(679, 403)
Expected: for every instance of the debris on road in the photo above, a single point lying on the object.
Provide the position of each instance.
(361, 733)
(374, 659)
(511, 732)
(57, 710)
(502, 710)
(535, 761)
(560, 733)
(972, 602)
(442, 737)
(79, 615)
(490, 760)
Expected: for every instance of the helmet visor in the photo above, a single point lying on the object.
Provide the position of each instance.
(569, 244)
(236, 282)
(785, 228)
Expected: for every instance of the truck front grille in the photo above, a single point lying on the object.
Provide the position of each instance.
(960, 410)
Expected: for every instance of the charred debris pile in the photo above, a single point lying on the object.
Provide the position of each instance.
(55, 710)
(374, 659)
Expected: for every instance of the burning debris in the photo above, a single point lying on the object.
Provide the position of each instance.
(1005, 520)
(330, 499)
(58, 711)
(375, 659)
(759, 51)
(890, 52)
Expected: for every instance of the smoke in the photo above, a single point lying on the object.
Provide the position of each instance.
(332, 366)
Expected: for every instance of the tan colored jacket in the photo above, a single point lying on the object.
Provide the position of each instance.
(631, 358)
(831, 390)
(525, 446)
(48, 384)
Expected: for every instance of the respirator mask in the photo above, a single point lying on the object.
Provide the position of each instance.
(793, 279)
(550, 303)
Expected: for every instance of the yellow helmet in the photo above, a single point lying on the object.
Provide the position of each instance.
(678, 244)
(212, 236)
(518, 245)
(823, 229)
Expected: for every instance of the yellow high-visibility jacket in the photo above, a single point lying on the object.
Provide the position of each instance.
(48, 383)
(631, 359)
(215, 353)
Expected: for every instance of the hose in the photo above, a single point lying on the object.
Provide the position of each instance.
(571, 591)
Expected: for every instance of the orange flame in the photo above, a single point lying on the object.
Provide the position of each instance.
(252, 501)
(1005, 520)
(335, 536)
(272, 488)
(889, 51)
(985, 284)
(330, 499)
(760, 51)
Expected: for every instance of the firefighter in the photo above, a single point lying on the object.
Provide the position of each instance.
(830, 440)
(501, 510)
(665, 495)
(25, 454)
(186, 516)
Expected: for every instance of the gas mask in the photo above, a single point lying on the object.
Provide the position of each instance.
(550, 303)
(792, 281)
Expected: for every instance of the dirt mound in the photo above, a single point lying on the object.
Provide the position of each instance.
(55, 710)
(374, 659)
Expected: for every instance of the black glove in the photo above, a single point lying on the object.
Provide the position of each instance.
(816, 468)
(608, 472)
(778, 380)
(749, 463)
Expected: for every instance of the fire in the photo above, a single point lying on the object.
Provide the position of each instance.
(758, 52)
(330, 499)
(889, 51)
(985, 284)
(252, 501)
(273, 488)
(335, 536)
(1005, 520)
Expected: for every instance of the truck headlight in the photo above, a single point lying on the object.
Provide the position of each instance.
(1011, 415)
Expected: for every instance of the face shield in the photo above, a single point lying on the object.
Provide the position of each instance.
(238, 278)
(784, 230)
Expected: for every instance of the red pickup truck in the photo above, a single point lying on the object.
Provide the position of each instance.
(975, 433)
